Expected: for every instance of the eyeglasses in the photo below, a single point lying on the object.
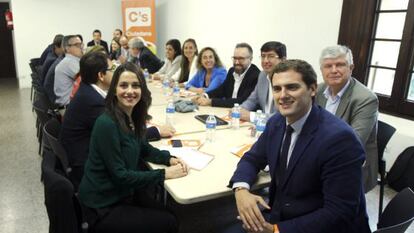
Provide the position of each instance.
(241, 59)
(268, 56)
(79, 45)
(112, 68)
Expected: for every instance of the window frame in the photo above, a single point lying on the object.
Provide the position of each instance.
(357, 30)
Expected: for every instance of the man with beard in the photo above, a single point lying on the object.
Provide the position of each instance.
(240, 81)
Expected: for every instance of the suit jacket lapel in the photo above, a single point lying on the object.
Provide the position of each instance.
(302, 142)
(345, 100)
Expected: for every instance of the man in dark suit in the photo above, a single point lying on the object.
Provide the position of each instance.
(142, 56)
(240, 81)
(52, 56)
(97, 35)
(85, 107)
(315, 164)
(88, 103)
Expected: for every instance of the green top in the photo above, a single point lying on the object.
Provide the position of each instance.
(111, 171)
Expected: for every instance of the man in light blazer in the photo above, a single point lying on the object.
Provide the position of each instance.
(271, 54)
(350, 100)
(314, 162)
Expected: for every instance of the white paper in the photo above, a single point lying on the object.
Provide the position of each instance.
(195, 159)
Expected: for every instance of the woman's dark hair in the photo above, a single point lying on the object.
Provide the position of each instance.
(216, 58)
(114, 55)
(185, 63)
(176, 45)
(140, 110)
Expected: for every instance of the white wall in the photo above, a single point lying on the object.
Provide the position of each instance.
(304, 26)
(36, 23)
(223, 23)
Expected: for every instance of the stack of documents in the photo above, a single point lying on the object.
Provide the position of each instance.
(195, 159)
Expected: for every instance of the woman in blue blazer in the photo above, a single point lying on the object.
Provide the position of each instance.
(211, 73)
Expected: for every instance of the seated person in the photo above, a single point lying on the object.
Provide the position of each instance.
(51, 57)
(115, 49)
(140, 55)
(311, 164)
(188, 67)
(172, 64)
(87, 105)
(240, 81)
(97, 40)
(49, 49)
(271, 54)
(114, 187)
(211, 73)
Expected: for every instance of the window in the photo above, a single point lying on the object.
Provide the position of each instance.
(381, 36)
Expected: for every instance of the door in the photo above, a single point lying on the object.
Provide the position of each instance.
(7, 65)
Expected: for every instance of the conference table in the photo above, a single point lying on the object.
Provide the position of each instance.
(211, 182)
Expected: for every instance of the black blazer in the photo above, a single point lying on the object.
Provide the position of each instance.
(78, 122)
(149, 61)
(221, 96)
(102, 43)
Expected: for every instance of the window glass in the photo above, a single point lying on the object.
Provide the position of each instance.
(394, 4)
(390, 25)
(385, 53)
(411, 88)
(381, 80)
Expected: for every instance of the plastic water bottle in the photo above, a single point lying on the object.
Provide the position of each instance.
(166, 86)
(235, 116)
(176, 91)
(260, 124)
(210, 128)
(170, 110)
(146, 75)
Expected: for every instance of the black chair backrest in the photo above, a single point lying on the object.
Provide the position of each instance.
(34, 63)
(399, 212)
(51, 132)
(59, 198)
(384, 134)
(41, 108)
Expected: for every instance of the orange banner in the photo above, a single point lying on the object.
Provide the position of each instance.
(138, 17)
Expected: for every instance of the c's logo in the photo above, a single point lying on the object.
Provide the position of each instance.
(140, 17)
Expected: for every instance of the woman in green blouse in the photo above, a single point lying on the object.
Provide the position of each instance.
(113, 187)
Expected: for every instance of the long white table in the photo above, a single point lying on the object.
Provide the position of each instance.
(212, 181)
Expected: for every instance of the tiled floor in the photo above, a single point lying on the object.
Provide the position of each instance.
(21, 193)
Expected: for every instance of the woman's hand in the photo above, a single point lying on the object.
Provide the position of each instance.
(166, 131)
(178, 168)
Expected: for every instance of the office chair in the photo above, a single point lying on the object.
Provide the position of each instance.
(384, 134)
(399, 213)
(41, 109)
(51, 131)
(63, 207)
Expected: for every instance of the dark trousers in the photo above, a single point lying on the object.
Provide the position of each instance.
(137, 214)
(238, 228)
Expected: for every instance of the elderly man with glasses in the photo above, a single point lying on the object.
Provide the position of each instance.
(67, 69)
(240, 81)
(271, 54)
